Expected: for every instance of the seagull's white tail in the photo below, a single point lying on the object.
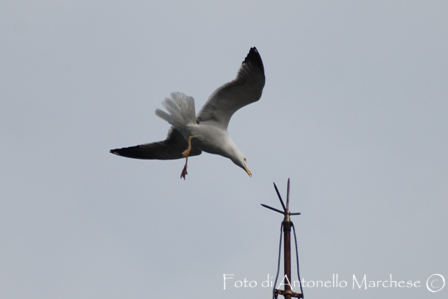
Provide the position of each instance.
(181, 111)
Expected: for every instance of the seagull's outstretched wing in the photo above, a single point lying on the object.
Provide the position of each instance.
(245, 89)
(169, 149)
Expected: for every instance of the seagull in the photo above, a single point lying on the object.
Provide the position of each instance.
(189, 134)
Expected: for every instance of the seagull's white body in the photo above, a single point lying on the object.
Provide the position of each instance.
(213, 140)
(209, 136)
(191, 134)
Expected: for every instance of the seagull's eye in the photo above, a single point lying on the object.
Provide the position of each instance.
(244, 159)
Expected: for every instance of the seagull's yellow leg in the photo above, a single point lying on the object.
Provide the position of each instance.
(186, 152)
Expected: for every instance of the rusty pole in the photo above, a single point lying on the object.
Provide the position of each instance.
(287, 245)
(287, 292)
(287, 257)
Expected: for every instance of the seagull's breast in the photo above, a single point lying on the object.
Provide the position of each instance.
(211, 139)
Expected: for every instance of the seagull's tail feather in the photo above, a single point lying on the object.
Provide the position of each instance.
(181, 111)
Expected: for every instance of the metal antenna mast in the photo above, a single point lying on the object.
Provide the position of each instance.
(286, 224)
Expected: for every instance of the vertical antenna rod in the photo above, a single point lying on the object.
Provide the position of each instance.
(286, 224)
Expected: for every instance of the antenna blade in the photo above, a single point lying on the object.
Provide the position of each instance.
(268, 207)
(287, 197)
(294, 213)
(279, 197)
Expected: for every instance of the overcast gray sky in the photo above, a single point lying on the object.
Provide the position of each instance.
(354, 111)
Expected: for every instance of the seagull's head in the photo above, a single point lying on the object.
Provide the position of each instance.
(231, 151)
(240, 160)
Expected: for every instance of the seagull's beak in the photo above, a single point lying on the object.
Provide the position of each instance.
(247, 170)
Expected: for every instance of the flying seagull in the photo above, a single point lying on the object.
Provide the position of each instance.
(189, 134)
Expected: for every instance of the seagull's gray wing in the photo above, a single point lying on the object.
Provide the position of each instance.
(245, 89)
(168, 149)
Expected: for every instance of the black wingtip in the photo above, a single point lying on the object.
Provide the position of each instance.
(129, 152)
(116, 151)
(254, 58)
